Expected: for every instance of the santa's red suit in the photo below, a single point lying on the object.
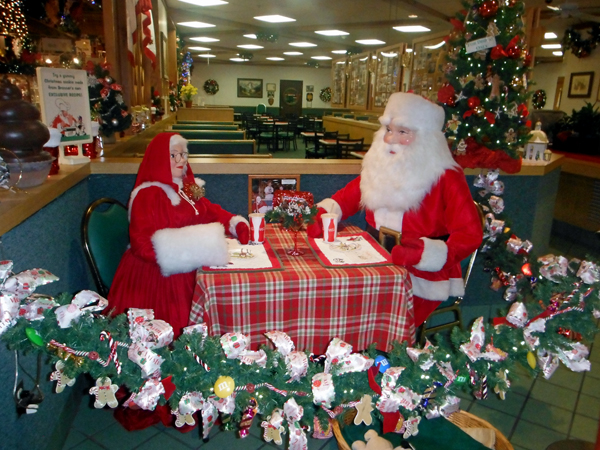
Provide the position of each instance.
(420, 191)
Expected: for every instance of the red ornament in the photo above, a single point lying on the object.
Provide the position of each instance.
(488, 9)
(473, 102)
(526, 269)
(446, 95)
(497, 52)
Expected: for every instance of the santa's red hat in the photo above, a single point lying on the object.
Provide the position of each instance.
(413, 111)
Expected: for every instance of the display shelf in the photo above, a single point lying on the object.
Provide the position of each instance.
(358, 81)
(388, 74)
(338, 75)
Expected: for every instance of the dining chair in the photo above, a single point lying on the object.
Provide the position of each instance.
(451, 307)
(346, 145)
(288, 135)
(266, 135)
(105, 233)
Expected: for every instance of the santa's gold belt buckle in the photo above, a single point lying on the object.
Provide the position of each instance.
(385, 232)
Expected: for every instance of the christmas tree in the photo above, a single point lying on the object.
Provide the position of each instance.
(106, 100)
(486, 91)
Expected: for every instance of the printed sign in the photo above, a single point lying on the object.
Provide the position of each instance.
(481, 44)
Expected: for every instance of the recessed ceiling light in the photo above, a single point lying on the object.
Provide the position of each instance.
(238, 59)
(389, 54)
(551, 46)
(321, 57)
(409, 50)
(550, 35)
(207, 55)
(275, 18)
(250, 36)
(275, 58)
(204, 39)
(205, 2)
(293, 53)
(412, 16)
(332, 33)
(412, 29)
(196, 24)
(369, 42)
(436, 45)
(341, 62)
(250, 46)
(302, 44)
(339, 52)
(557, 53)
(200, 49)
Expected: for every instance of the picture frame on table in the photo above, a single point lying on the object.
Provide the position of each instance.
(580, 85)
(261, 189)
(250, 87)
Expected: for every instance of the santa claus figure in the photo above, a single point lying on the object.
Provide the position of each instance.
(410, 183)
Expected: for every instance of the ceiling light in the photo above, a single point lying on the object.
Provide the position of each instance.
(293, 53)
(205, 2)
(436, 45)
(332, 33)
(200, 49)
(551, 46)
(302, 44)
(238, 59)
(207, 55)
(339, 52)
(550, 35)
(321, 57)
(204, 39)
(369, 42)
(412, 16)
(411, 29)
(250, 36)
(389, 54)
(275, 58)
(196, 24)
(409, 50)
(275, 18)
(557, 53)
(341, 62)
(250, 46)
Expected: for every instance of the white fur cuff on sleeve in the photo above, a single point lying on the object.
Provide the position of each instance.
(332, 207)
(181, 250)
(434, 255)
(233, 223)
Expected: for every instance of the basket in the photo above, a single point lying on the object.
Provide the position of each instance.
(461, 419)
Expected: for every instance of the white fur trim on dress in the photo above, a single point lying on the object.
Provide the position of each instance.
(181, 250)
(435, 255)
(437, 290)
(173, 196)
(332, 207)
(233, 223)
(200, 182)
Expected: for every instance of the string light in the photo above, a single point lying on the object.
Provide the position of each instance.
(13, 20)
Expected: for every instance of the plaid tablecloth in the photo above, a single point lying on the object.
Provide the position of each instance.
(309, 302)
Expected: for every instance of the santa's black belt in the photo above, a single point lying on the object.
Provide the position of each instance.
(388, 237)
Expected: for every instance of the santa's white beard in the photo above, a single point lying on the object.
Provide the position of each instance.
(399, 181)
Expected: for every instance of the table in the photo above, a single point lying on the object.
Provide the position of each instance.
(331, 144)
(311, 303)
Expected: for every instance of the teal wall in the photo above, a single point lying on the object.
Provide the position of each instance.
(51, 239)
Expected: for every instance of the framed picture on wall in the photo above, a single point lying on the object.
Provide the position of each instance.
(580, 85)
(261, 189)
(250, 87)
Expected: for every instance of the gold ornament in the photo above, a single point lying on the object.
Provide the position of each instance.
(224, 386)
(531, 360)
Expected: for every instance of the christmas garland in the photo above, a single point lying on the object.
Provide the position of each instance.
(581, 47)
(211, 87)
(325, 95)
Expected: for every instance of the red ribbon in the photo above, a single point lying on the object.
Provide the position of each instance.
(372, 383)
(458, 24)
(511, 51)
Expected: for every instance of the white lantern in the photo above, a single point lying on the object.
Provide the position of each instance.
(536, 146)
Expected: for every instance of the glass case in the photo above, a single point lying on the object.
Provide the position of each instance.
(338, 75)
(358, 81)
(429, 60)
(388, 74)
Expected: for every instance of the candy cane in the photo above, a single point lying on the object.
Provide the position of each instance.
(197, 358)
(272, 388)
(68, 349)
(113, 351)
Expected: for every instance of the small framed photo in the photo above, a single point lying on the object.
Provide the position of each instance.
(271, 87)
(580, 85)
(250, 87)
(261, 189)
(310, 88)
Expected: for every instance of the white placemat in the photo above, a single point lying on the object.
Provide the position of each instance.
(246, 257)
(350, 250)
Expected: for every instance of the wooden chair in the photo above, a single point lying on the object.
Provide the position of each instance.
(345, 146)
(452, 305)
(266, 135)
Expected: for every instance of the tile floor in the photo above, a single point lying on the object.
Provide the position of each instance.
(536, 413)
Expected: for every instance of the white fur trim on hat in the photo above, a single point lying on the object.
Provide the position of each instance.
(332, 207)
(413, 111)
(437, 290)
(233, 223)
(173, 196)
(434, 256)
(181, 250)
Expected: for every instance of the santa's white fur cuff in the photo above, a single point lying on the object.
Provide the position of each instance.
(233, 223)
(332, 207)
(435, 255)
(181, 250)
(437, 290)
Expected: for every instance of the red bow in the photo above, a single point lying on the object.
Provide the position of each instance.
(511, 51)
(522, 108)
(458, 25)
(490, 117)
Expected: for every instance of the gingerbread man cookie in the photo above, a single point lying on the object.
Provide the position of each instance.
(105, 393)
(363, 411)
(59, 376)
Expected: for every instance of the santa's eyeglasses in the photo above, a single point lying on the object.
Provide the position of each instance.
(179, 156)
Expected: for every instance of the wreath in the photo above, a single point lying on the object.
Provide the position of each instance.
(211, 87)
(581, 47)
(325, 94)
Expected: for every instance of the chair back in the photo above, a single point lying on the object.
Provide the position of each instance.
(105, 232)
(261, 108)
(345, 146)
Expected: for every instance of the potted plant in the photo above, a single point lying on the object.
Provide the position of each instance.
(187, 93)
(579, 132)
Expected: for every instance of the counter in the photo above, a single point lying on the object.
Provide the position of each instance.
(220, 114)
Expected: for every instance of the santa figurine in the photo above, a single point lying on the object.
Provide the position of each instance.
(410, 183)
